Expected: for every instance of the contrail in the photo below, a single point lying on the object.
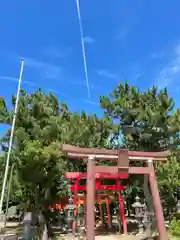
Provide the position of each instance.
(83, 49)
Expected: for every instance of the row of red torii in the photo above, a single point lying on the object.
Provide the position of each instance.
(121, 170)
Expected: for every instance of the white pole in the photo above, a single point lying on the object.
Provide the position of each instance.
(11, 136)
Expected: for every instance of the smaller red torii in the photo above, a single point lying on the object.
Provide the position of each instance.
(98, 186)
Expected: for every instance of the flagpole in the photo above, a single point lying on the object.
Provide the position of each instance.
(11, 136)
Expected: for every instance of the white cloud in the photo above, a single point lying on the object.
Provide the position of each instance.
(171, 73)
(45, 69)
(54, 52)
(88, 40)
(92, 103)
(139, 75)
(123, 33)
(59, 93)
(107, 74)
(93, 86)
(82, 83)
(157, 55)
(13, 79)
(29, 83)
(126, 27)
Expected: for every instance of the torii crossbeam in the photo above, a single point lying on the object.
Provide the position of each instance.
(121, 157)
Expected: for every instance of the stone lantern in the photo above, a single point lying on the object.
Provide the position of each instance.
(138, 208)
(70, 214)
(147, 221)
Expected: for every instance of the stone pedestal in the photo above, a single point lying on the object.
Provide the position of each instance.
(27, 225)
(69, 236)
(2, 220)
(141, 235)
(8, 237)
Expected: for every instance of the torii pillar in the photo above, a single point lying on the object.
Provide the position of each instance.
(90, 202)
(157, 202)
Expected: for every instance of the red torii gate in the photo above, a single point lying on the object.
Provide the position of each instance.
(122, 157)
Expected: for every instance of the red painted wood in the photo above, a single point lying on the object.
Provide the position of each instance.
(102, 175)
(114, 170)
(157, 203)
(108, 213)
(114, 158)
(98, 183)
(121, 208)
(109, 172)
(138, 170)
(90, 213)
(123, 217)
(101, 187)
(75, 201)
(102, 151)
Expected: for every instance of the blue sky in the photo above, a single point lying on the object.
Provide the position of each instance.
(124, 39)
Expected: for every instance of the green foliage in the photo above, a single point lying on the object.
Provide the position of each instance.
(169, 181)
(42, 126)
(142, 116)
(148, 124)
(169, 172)
(177, 216)
(175, 227)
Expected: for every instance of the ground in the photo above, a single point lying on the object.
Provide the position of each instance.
(13, 227)
(116, 237)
